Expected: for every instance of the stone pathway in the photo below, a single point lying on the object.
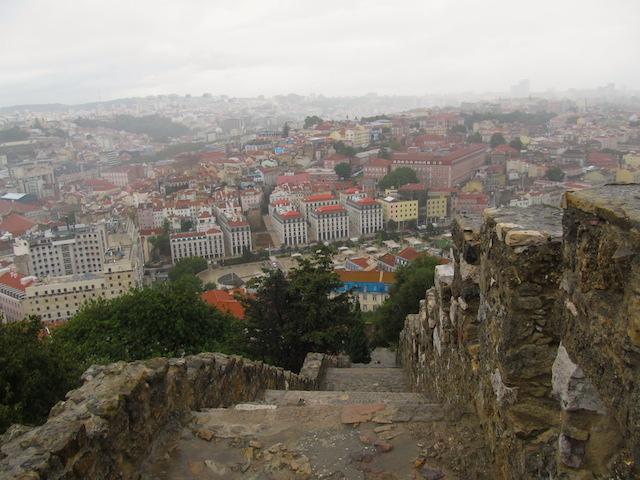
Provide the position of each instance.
(364, 426)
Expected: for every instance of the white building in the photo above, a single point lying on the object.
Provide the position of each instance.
(237, 234)
(208, 245)
(68, 251)
(290, 226)
(12, 295)
(365, 216)
(329, 223)
(312, 202)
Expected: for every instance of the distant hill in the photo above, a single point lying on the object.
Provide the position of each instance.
(158, 127)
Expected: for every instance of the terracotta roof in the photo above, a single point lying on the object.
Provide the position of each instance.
(360, 261)
(16, 224)
(223, 301)
(366, 201)
(408, 254)
(319, 197)
(388, 259)
(330, 209)
(372, 276)
(16, 281)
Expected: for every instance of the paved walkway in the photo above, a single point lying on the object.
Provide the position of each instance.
(363, 426)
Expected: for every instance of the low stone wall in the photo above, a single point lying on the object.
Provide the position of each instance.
(536, 329)
(107, 427)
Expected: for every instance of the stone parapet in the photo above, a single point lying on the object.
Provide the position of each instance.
(538, 333)
(109, 425)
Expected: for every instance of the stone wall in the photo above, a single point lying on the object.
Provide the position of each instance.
(108, 426)
(535, 329)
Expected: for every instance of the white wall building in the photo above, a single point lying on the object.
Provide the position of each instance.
(312, 202)
(365, 216)
(290, 226)
(329, 223)
(208, 245)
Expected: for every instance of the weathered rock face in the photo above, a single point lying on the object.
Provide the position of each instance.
(537, 331)
(105, 428)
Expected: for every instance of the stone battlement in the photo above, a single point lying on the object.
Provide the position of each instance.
(109, 426)
(536, 329)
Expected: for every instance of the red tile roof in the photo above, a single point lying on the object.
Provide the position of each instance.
(223, 301)
(15, 280)
(330, 209)
(360, 261)
(16, 224)
(408, 254)
(318, 197)
(366, 201)
(388, 259)
(373, 276)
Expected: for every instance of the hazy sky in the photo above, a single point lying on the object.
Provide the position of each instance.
(83, 50)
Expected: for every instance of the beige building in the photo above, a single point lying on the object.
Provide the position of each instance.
(208, 245)
(398, 210)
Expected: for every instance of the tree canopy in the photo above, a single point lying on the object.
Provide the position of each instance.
(299, 312)
(34, 375)
(13, 134)
(343, 170)
(497, 139)
(404, 298)
(189, 267)
(555, 174)
(516, 143)
(346, 150)
(312, 121)
(475, 137)
(398, 177)
(167, 319)
(156, 126)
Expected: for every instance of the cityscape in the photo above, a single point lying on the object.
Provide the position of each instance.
(264, 240)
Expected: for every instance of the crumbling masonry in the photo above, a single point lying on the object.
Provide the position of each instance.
(535, 328)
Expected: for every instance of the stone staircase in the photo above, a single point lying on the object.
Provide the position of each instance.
(363, 424)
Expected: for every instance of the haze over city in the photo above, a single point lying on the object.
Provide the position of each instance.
(74, 52)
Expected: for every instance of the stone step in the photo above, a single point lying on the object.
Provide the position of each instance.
(365, 379)
(302, 397)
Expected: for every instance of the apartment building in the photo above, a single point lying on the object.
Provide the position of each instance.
(329, 223)
(60, 298)
(365, 216)
(12, 295)
(67, 251)
(290, 227)
(313, 202)
(208, 245)
(236, 233)
(398, 210)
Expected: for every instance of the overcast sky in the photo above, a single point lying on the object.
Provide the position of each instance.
(75, 51)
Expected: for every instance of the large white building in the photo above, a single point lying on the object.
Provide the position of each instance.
(12, 295)
(290, 226)
(329, 223)
(208, 245)
(365, 216)
(237, 234)
(312, 202)
(68, 251)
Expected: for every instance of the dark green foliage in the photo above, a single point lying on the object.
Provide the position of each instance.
(297, 313)
(13, 134)
(458, 129)
(312, 121)
(517, 144)
(33, 374)
(411, 284)
(497, 139)
(511, 117)
(474, 138)
(187, 267)
(161, 244)
(374, 118)
(158, 127)
(345, 150)
(186, 225)
(285, 130)
(555, 174)
(168, 319)
(384, 153)
(397, 178)
(343, 170)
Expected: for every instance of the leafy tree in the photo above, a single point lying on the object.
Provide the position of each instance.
(384, 152)
(312, 121)
(167, 319)
(158, 127)
(299, 312)
(345, 150)
(188, 267)
(555, 174)
(411, 283)
(497, 139)
(13, 134)
(458, 129)
(34, 374)
(398, 177)
(516, 143)
(285, 129)
(343, 170)
(392, 225)
(474, 138)
(186, 225)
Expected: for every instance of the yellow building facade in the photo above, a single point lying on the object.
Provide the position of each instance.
(399, 210)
